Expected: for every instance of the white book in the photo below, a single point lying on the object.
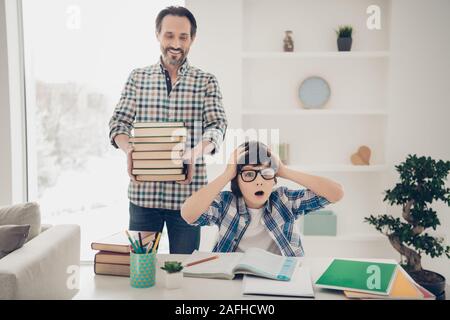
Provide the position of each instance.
(299, 286)
(254, 261)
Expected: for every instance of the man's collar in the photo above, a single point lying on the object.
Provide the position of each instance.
(181, 70)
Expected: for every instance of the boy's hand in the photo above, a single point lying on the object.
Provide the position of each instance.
(231, 169)
(279, 165)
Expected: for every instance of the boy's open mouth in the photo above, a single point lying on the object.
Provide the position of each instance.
(259, 193)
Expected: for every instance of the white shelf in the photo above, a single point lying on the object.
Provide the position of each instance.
(379, 168)
(314, 54)
(315, 112)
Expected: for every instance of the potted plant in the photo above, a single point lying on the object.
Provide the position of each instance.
(174, 276)
(344, 40)
(422, 180)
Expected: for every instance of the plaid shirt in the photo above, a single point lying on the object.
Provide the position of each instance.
(195, 100)
(280, 212)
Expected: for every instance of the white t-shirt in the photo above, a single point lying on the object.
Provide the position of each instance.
(256, 234)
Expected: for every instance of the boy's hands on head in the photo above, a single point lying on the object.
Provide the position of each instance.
(231, 169)
(281, 167)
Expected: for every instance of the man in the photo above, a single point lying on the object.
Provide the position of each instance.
(171, 90)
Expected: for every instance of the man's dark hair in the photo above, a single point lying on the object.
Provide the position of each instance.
(255, 153)
(179, 12)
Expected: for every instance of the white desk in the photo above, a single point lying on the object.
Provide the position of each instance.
(110, 287)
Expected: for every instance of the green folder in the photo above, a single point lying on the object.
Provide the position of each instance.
(361, 276)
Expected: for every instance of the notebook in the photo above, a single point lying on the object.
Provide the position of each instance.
(358, 275)
(299, 286)
(404, 287)
(254, 261)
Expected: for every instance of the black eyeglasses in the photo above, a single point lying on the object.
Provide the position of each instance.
(250, 175)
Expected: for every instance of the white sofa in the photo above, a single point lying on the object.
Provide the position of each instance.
(46, 266)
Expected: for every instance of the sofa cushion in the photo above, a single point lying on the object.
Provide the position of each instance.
(12, 238)
(20, 214)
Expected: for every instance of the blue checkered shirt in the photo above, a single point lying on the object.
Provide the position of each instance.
(195, 100)
(284, 206)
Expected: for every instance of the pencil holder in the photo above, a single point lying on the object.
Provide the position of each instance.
(142, 270)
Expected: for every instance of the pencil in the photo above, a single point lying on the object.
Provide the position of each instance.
(155, 245)
(131, 241)
(201, 261)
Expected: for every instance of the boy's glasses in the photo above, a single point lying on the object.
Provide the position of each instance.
(250, 175)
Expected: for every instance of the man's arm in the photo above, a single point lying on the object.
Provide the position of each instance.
(214, 118)
(324, 187)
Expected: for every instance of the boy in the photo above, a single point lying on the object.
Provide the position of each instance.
(253, 214)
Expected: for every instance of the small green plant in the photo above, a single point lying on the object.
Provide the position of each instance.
(172, 266)
(344, 31)
(422, 180)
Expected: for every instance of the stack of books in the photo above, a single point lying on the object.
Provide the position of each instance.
(372, 279)
(113, 256)
(158, 150)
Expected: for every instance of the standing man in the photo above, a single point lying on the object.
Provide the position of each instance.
(171, 90)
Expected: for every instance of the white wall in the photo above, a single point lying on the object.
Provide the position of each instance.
(420, 93)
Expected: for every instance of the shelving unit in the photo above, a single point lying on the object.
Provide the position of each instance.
(321, 141)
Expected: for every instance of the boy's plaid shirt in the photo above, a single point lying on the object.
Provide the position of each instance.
(195, 100)
(280, 212)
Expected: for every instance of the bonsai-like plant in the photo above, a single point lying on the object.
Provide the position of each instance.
(422, 180)
(344, 31)
(172, 266)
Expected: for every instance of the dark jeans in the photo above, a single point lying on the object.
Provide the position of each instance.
(183, 238)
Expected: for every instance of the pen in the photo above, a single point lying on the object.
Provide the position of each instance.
(140, 242)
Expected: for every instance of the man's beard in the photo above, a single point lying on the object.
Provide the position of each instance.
(173, 61)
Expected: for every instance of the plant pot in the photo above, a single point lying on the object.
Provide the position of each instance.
(173, 280)
(432, 281)
(344, 44)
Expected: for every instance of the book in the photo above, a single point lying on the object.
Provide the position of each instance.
(254, 261)
(300, 285)
(157, 124)
(359, 275)
(158, 146)
(404, 287)
(157, 171)
(112, 269)
(150, 155)
(119, 242)
(112, 258)
(165, 177)
(168, 139)
(157, 164)
(160, 131)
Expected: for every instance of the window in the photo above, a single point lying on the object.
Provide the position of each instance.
(78, 55)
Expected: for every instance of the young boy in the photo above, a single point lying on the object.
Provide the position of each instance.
(253, 214)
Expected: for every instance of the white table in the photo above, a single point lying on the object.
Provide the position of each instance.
(110, 287)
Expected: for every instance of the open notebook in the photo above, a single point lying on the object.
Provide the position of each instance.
(299, 286)
(254, 261)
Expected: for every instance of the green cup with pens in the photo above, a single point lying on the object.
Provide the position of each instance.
(143, 262)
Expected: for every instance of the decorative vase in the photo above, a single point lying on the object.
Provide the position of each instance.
(344, 44)
(288, 42)
(173, 280)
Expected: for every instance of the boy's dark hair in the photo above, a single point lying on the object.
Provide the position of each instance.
(255, 153)
(179, 12)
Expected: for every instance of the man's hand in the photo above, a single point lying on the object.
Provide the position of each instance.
(231, 169)
(280, 166)
(130, 165)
